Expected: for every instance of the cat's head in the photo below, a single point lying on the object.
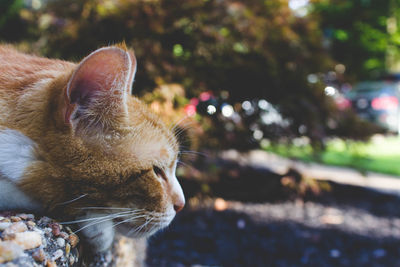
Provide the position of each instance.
(119, 157)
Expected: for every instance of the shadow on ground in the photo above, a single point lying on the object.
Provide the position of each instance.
(211, 238)
(260, 185)
(264, 224)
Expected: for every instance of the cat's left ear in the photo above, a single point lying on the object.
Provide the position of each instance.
(133, 70)
(97, 90)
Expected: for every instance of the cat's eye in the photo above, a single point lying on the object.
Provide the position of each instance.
(159, 172)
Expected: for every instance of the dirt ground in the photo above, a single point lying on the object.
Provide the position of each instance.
(289, 233)
(347, 226)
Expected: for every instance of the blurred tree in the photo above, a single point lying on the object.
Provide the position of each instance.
(362, 34)
(251, 49)
(11, 25)
(393, 50)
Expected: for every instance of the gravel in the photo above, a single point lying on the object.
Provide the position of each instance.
(27, 241)
(349, 227)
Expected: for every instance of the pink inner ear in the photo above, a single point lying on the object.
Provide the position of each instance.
(104, 73)
(83, 91)
(105, 69)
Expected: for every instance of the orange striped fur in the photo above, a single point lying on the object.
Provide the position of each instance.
(95, 145)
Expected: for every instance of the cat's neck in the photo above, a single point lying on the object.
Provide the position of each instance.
(30, 91)
(35, 110)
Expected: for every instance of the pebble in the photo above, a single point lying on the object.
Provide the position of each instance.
(71, 260)
(39, 255)
(31, 224)
(55, 229)
(60, 242)
(23, 216)
(67, 249)
(10, 264)
(73, 239)
(28, 239)
(14, 228)
(9, 236)
(23, 242)
(45, 220)
(9, 251)
(44, 243)
(15, 219)
(4, 225)
(64, 235)
(47, 230)
(57, 254)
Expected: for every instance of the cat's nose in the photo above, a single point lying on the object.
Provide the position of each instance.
(178, 206)
(178, 199)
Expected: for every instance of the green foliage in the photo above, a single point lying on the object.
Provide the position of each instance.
(360, 33)
(10, 20)
(251, 49)
(378, 155)
(9, 9)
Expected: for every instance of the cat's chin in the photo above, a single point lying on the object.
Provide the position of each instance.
(147, 228)
(129, 230)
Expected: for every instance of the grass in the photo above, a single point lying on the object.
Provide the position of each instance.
(381, 154)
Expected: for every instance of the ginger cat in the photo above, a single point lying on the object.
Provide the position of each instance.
(75, 144)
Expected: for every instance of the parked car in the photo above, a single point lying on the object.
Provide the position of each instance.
(377, 102)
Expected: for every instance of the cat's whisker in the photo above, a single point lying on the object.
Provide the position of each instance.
(160, 219)
(107, 218)
(187, 165)
(99, 217)
(106, 208)
(134, 230)
(193, 153)
(184, 148)
(107, 126)
(128, 220)
(91, 224)
(155, 213)
(179, 128)
(177, 123)
(85, 220)
(184, 164)
(184, 124)
(72, 200)
(138, 229)
(145, 224)
(178, 133)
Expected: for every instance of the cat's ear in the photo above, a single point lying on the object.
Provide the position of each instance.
(97, 90)
(133, 70)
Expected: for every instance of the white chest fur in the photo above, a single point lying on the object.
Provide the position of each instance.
(16, 154)
(12, 198)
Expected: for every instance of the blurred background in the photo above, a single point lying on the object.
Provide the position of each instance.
(267, 96)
